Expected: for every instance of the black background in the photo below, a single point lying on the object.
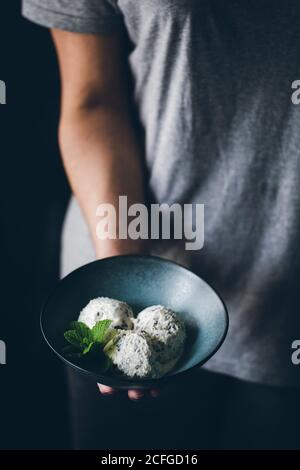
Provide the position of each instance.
(34, 194)
(33, 199)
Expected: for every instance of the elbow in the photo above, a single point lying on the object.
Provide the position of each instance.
(81, 120)
(91, 101)
(88, 111)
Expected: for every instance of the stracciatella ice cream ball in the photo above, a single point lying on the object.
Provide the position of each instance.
(104, 308)
(167, 333)
(132, 354)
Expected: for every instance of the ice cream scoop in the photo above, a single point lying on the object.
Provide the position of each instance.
(133, 355)
(103, 308)
(167, 333)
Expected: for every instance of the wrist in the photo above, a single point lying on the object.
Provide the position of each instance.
(108, 248)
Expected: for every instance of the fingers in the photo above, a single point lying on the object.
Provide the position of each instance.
(132, 394)
(105, 390)
(135, 395)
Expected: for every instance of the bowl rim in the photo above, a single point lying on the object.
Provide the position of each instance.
(143, 383)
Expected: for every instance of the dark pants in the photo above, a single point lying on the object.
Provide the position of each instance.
(205, 411)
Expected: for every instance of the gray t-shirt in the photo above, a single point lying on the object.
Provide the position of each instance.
(213, 90)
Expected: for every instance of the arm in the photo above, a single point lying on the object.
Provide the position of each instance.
(100, 151)
(97, 139)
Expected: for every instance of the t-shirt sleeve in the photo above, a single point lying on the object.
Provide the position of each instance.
(82, 16)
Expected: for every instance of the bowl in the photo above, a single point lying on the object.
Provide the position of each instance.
(140, 281)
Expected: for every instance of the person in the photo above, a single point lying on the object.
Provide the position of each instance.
(190, 102)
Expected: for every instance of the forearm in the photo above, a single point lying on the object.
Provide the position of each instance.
(103, 161)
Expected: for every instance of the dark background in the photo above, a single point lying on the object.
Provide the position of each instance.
(34, 195)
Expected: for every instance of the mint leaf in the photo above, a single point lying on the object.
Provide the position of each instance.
(82, 330)
(87, 344)
(110, 345)
(88, 349)
(72, 352)
(109, 335)
(100, 329)
(72, 337)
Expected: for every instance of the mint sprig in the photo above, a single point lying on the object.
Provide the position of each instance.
(85, 342)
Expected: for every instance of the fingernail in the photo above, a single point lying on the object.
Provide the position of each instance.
(105, 390)
(135, 394)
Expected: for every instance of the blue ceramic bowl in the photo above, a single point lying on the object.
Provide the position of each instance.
(140, 281)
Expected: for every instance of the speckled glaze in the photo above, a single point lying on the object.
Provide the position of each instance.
(140, 281)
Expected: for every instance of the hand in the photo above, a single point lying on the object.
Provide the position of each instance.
(133, 395)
